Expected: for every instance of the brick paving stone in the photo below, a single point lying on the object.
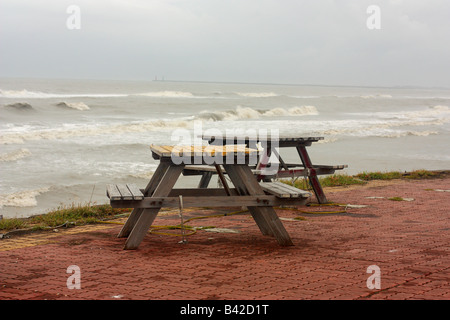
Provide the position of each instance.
(407, 240)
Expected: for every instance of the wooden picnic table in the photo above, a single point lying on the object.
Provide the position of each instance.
(286, 170)
(259, 197)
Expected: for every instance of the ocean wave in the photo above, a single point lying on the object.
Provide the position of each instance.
(306, 97)
(386, 129)
(249, 113)
(21, 106)
(142, 175)
(149, 126)
(21, 94)
(432, 112)
(74, 105)
(167, 94)
(400, 134)
(25, 198)
(327, 140)
(15, 155)
(375, 96)
(257, 94)
(92, 130)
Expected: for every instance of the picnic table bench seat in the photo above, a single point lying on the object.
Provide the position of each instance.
(122, 192)
(282, 190)
(129, 195)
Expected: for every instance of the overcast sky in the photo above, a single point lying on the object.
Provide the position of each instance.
(267, 41)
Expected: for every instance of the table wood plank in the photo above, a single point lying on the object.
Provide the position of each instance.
(126, 194)
(135, 192)
(272, 188)
(112, 192)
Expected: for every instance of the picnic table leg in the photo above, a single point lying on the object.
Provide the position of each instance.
(147, 217)
(136, 213)
(204, 181)
(242, 190)
(262, 163)
(265, 217)
(314, 180)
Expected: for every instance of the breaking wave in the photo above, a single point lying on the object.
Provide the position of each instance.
(91, 130)
(167, 94)
(149, 126)
(382, 129)
(257, 94)
(20, 94)
(375, 96)
(74, 105)
(249, 113)
(410, 133)
(25, 198)
(21, 106)
(429, 113)
(15, 155)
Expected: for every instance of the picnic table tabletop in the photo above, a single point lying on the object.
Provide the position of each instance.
(252, 140)
(210, 150)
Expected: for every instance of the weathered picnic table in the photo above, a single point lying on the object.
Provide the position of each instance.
(270, 144)
(259, 198)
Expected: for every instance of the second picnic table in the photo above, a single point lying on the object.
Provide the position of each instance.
(287, 170)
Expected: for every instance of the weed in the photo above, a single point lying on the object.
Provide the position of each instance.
(77, 214)
(396, 198)
(378, 175)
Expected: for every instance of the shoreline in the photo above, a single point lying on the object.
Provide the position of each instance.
(374, 183)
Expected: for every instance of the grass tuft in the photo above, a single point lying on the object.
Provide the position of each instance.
(420, 174)
(396, 198)
(75, 214)
(12, 224)
(378, 175)
(362, 178)
(328, 181)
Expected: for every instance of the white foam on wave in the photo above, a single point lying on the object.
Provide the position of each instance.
(257, 94)
(377, 128)
(91, 130)
(305, 97)
(21, 94)
(399, 134)
(81, 106)
(25, 198)
(375, 96)
(167, 94)
(295, 111)
(15, 155)
(435, 112)
(241, 113)
(19, 137)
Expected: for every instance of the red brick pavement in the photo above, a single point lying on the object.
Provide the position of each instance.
(407, 240)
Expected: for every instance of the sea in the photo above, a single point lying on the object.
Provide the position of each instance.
(62, 141)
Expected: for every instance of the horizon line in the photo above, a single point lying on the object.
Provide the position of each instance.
(404, 86)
